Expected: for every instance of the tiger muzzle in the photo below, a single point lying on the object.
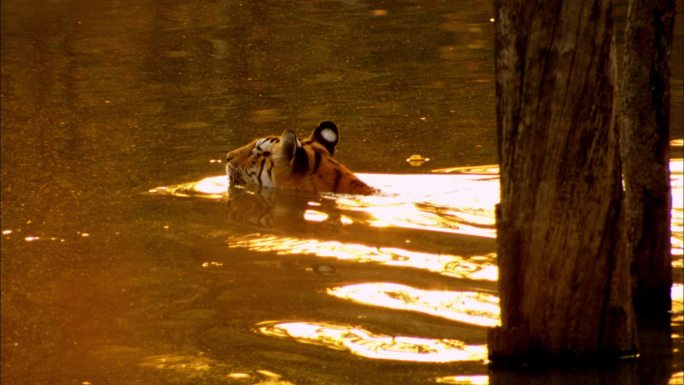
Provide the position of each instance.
(234, 176)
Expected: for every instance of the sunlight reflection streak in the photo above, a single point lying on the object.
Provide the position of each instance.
(460, 203)
(200, 369)
(453, 212)
(364, 343)
(464, 380)
(315, 216)
(213, 188)
(469, 307)
(677, 219)
(478, 267)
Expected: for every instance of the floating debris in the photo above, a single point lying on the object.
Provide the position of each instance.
(417, 160)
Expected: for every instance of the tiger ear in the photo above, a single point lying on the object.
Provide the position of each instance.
(327, 135)
(288, 144)
(292, 150)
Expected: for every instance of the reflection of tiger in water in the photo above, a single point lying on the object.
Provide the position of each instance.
(285, 162)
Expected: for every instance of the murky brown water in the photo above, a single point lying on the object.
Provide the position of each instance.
(110, 278)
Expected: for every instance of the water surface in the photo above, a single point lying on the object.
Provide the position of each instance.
(123, 261)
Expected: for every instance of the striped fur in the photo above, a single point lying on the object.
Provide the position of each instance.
(285, 162)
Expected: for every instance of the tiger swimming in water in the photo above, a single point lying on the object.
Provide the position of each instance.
(285, 162)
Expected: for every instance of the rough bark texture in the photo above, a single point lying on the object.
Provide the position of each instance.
(645, 150)
(564, 280)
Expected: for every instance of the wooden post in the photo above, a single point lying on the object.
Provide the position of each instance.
(645, 136)
(564, 275)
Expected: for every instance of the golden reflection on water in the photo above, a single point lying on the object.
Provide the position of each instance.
(474, 308)
(457, 200)
(677, 295)
(457, 203)
(207, 370)
(214, 187)
(366, 344)
(388, 212)
(315, 216)
(460, 204)
(477, 267)
(463, 380)
(677, 220)
(179, 363)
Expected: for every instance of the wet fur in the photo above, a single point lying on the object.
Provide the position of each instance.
(285, 162)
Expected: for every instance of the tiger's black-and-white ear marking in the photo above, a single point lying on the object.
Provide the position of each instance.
(327, 135)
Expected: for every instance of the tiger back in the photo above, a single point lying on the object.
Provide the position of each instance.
(285, 162)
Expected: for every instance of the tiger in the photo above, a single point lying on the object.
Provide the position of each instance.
(285, 162)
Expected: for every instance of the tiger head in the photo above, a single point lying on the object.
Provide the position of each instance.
(285, 162)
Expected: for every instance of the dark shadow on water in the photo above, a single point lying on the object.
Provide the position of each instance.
(654, 366)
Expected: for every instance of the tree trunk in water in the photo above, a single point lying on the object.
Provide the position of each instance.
(645, 150)
(564, 277)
